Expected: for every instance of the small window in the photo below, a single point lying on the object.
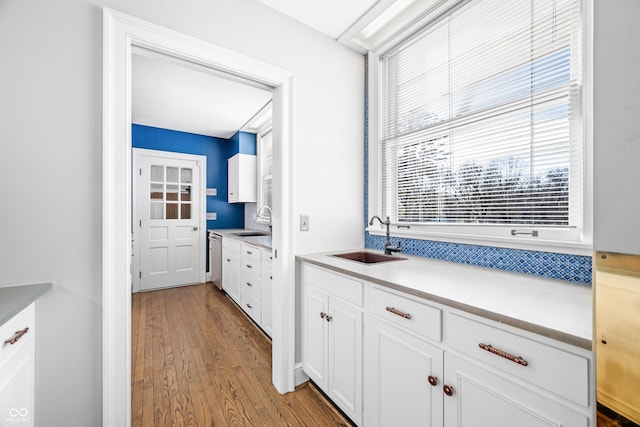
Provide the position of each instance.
(480, 120)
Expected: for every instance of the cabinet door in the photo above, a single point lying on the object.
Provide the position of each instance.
(231, 268)
(397, 388)
(314, 335)
(480, 397)
(267, 300)
(345, 357)
(232, 181)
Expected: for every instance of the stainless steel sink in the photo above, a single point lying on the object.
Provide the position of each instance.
(366, 257)
(250, 233)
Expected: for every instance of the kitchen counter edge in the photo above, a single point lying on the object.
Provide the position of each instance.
(14, 299)
(325, 260)
(262, 241)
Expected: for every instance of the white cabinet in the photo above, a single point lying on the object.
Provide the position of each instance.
(267, 291)
(231, 268)
(241, 178)
(247, 278)
(251, 282)
(17, 355)
(428, 364)
(332, 337)
(404, 371)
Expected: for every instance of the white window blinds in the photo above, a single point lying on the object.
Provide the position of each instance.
(481, 117)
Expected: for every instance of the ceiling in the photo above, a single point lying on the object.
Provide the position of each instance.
(174, 94)
(331, 17)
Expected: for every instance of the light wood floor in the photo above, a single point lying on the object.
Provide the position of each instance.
(197, 360)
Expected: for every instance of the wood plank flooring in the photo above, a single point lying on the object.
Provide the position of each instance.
(197, 360)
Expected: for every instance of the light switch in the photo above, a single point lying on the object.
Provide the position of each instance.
(212, 215)
(212, 191)
(304, 222)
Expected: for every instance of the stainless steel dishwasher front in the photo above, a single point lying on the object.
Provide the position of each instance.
(215, 259)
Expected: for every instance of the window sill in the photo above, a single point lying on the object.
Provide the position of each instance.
(523, 243)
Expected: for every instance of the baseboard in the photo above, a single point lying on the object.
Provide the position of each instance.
(299, 375)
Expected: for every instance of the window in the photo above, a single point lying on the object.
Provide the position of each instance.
(480, 120)
(265, 177)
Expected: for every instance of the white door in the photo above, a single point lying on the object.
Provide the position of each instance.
(167, 217)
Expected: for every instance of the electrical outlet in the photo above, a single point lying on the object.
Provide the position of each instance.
(212, 191)
(212, 216)
(304, 222)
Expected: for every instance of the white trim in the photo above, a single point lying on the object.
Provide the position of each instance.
(120, 33)
(300, 375)
(137, 154)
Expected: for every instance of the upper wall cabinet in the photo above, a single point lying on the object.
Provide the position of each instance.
(242, 178)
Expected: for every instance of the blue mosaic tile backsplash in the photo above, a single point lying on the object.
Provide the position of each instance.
(572, 268)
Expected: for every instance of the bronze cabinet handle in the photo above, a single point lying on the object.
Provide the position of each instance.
(16, 336)
(322, 315)
(448, 390)
(249, 284)
(432, 380)
(398, 312)
(515, 359)
(249, 305)
(328, 318)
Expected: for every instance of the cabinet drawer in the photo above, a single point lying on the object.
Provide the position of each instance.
(22, 320)
(252, 307)
(407, 313)
(251, 282)
(556, 370)
(250, 253)
(267, 256)
(343, 287)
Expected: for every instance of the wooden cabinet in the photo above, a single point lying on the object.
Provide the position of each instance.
(231, 268)
(241, 178)
(617, 333)
(17, 369)
(332, 337)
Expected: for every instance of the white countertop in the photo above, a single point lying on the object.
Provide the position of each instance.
(552, 308)
(262, 241)
(13, 299)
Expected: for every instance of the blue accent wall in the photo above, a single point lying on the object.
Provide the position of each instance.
(571, 268)
(217, 151)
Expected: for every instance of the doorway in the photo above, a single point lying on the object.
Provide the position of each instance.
(121, 33)
(168, 224)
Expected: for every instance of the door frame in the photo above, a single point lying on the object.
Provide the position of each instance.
(137, 154)
(120, 33)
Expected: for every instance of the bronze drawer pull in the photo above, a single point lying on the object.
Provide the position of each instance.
(448, 390)
(432, 380)
(18, 334)
(398, 312)
(249, 284)
(516, 359)
(249, 266)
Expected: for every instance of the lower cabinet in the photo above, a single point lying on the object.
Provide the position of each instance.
(427, 364)
(476, 396)
(17, 358)
(403, 378)
(231, 268)
(332, 339)
(247, 278)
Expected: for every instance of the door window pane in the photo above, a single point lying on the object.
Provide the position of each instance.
(185, 175)
(155, 210)
(185, 193)
(172, 211)
(172, 174)
(185, 211)
(157, 191)
(157, 173)
(172, 192)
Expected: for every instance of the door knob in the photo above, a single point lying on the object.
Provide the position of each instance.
(448, 390)
(432, 380)
(195, 228)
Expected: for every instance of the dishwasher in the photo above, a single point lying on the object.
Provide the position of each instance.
(215, 259)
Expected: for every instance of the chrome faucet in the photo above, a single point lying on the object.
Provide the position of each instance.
(388, 247)
(261, 216)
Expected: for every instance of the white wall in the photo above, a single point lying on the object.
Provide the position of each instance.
(617, 126)
(50, 160)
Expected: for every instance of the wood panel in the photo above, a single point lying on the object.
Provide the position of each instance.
(197, 360)
(617, 333)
